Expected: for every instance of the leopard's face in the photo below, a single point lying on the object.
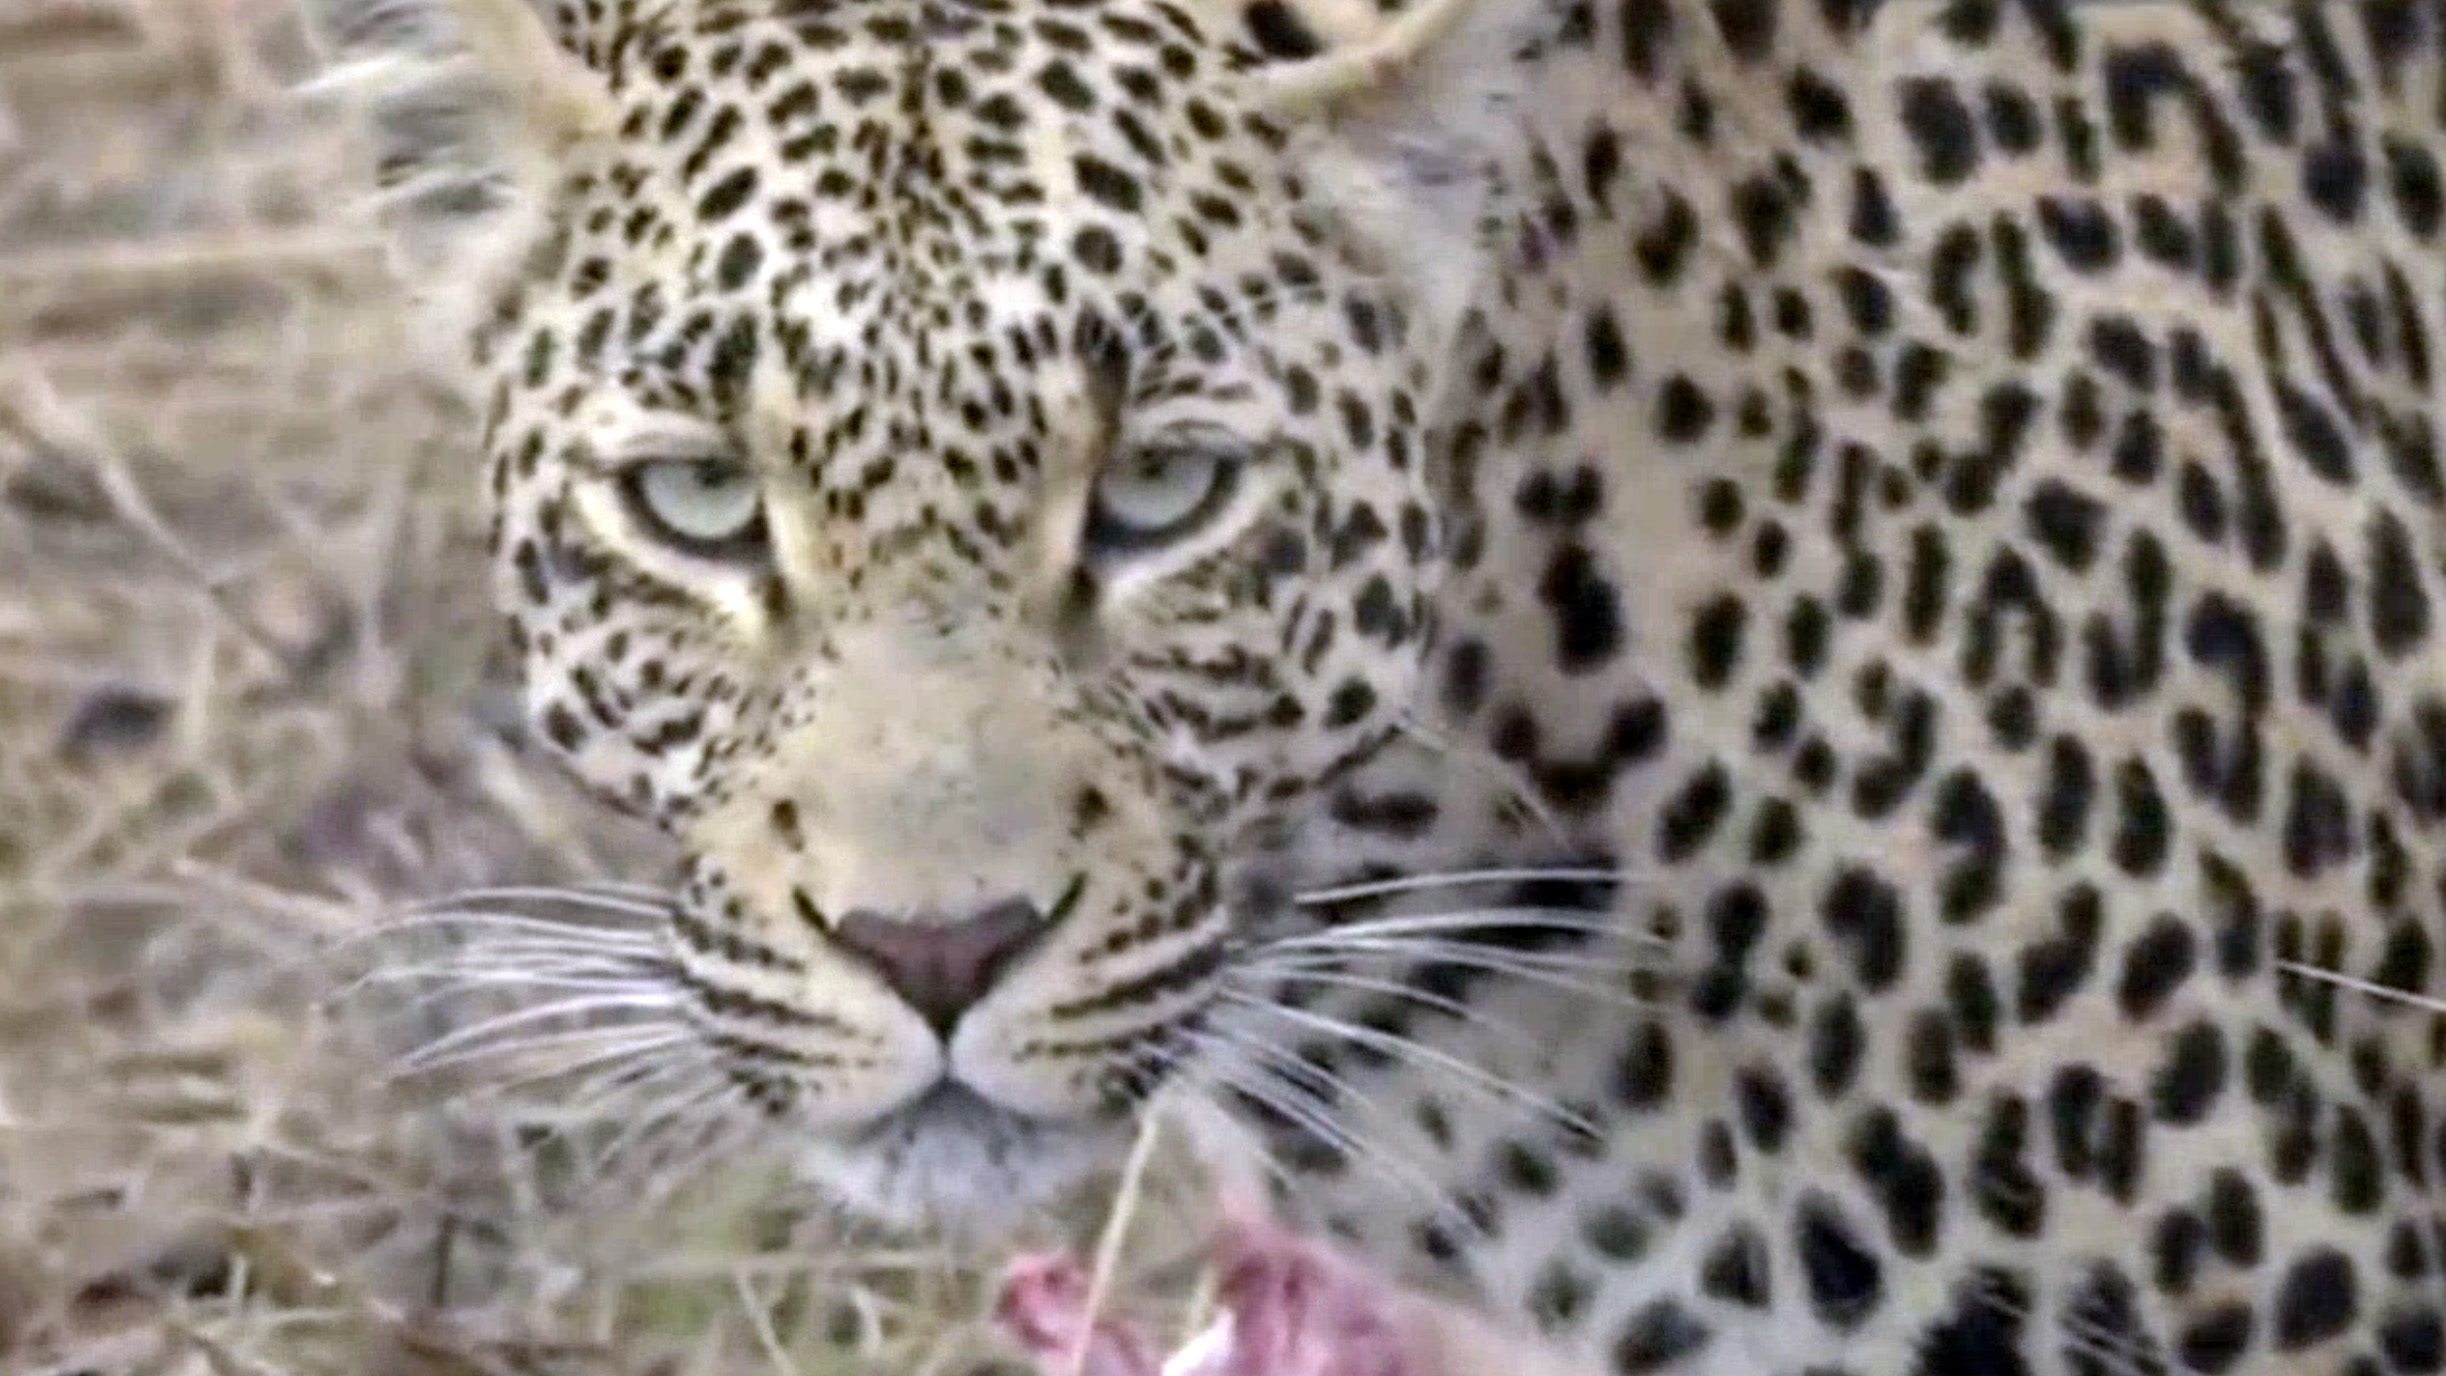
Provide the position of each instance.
(950, 476)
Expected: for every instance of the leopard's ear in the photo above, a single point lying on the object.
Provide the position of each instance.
(473, 111)
(1405, 131)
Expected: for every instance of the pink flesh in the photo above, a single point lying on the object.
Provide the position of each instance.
(1291, 1310)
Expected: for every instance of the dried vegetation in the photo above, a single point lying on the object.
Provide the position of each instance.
(248, 707)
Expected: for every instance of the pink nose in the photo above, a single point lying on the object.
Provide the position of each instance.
(941, 968)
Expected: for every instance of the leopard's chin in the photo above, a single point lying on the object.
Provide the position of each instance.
(952, 1162)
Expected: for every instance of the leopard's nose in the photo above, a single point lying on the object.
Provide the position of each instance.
(942, 968)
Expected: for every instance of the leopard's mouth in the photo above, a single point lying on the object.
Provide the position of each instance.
(953, 1160)
(949, 1108)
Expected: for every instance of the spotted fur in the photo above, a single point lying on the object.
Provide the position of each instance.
(1945, 496)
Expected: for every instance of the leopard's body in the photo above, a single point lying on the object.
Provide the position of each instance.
(1944, 496)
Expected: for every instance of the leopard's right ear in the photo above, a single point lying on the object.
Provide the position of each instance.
(474, 111)
(1404, 127)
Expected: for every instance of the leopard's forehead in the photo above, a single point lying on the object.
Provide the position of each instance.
(939, 167)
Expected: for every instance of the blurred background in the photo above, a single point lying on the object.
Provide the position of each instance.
(250, 703)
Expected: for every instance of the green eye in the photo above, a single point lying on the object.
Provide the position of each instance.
(703, 506)
(1152, 496)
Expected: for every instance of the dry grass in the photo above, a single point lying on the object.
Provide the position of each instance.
(246, 706)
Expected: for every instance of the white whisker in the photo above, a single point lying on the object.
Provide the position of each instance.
(632, 1059)
(489, 962)
(592, 936)
(633, 1038)
(703, 1109)
(660, 1000)
(635, 900)
(1478, 920)
(1413, 883)
(1309, 1110)
(2427, 1002)
(1419, 1053)
(552, 974)
(1395, 989)
(1553, 972)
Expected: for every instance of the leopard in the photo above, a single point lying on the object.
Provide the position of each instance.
(1758, 681)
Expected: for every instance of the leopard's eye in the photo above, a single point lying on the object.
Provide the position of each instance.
(704, 507)
(1148, 497)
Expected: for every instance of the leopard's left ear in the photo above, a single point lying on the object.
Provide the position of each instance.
(1403, 133)
(473, 110)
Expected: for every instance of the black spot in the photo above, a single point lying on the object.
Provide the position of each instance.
(1874, 221)
(1096, 249)
(2399, 608)
(1060, 81)
(1279, 30)
(2355, 1172)
(2013, 119)
(2414, 1340)
(2055, 968)
(2213, 1342)
(1971, 999)
(1966, 816)
(1608, 358)
(2120, 348)
(1647, 33)
(1467, 670)
(1664, 248)
(2313, 433)
(1941, 128)
(1818, 108)
(2144, 826)
(1587, 611)
(740, 259)
(2155, 965)
(726, 195)
(1748, 27)
(1558, 1297)
(1866, 914)
(1766, 1109)
(2317, 1299)
(2176, 1248)
(1643, 1072)
(1693, 815)
(1683, 410)
(2163, 236)
(1845, 1281)
(1982, 1334)
(1837, 1041)
(2068, 791)
(1660, 1334)
(2135, 77)
(1715, 640)
(2081, 232)
(1615, 1233)
(1350, 703)
(1737, 1269)
(2067, 522)
(562, 727)
(1953, 264)
(2336, 178)
(1903, 1177)
(1601, 163)
(1929, 1062)
(2103, 1309)
(2412, 174)
(1527, 1169)
(1106, 184)
(2194, 1075)
(2002, 1186)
